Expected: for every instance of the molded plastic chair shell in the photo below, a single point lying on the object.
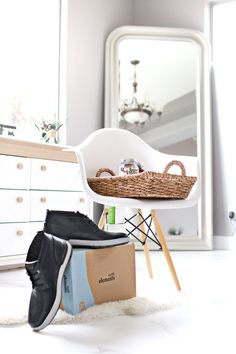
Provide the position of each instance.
(106, 147)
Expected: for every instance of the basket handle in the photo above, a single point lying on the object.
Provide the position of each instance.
(104, 169)
(175, 162)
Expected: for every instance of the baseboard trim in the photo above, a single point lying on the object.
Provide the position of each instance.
(224, 242)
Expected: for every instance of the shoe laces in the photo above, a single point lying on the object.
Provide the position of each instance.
(35, 277)
(88, 220)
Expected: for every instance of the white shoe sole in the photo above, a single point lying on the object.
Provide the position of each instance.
(100, 243)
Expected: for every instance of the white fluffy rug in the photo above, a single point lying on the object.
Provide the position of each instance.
(14, 308)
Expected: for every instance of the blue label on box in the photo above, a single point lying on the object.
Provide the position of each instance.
(76, 292)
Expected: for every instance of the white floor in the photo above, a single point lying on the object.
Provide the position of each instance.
(199, 319)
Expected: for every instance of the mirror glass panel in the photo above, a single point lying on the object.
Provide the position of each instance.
(156, 88)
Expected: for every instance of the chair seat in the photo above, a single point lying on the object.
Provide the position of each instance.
(141, 203)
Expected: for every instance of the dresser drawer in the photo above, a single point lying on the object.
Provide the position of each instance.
(14, 239)
(68, 201)
(14, 206)
(55, 175)
(35, 227)
(15, 172)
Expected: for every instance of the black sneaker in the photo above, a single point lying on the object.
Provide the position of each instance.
(45, 264)
(80, 231)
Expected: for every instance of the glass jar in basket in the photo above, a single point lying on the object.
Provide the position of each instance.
(128, 167)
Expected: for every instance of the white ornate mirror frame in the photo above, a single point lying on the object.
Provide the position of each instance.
(204, 238)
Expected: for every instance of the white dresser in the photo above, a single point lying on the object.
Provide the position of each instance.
(33, 178)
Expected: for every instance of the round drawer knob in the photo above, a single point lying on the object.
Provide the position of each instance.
(82, 200)
(19, 200)
(19, 232)
(19, 166)
(43, 199)
(43, 168)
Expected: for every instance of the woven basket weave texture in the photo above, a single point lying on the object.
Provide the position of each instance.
(148, 185)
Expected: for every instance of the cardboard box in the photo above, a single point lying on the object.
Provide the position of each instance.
(97, 276)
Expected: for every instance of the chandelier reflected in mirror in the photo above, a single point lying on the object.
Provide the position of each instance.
(134, 112)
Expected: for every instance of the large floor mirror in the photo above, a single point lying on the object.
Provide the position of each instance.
(157, 86)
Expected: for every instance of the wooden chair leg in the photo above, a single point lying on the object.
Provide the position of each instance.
(102, 220)
(162, 240)
(145, 246)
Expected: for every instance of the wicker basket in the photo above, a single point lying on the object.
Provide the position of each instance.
(149, 185)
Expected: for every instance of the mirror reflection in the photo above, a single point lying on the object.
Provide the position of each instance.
(157, 86)
(157, 101)
(157, 93)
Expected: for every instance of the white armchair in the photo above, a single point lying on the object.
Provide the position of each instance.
(105, 148)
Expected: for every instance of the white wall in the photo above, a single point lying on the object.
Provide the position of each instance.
(224, 113)
(89, 23)
(170, 13)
